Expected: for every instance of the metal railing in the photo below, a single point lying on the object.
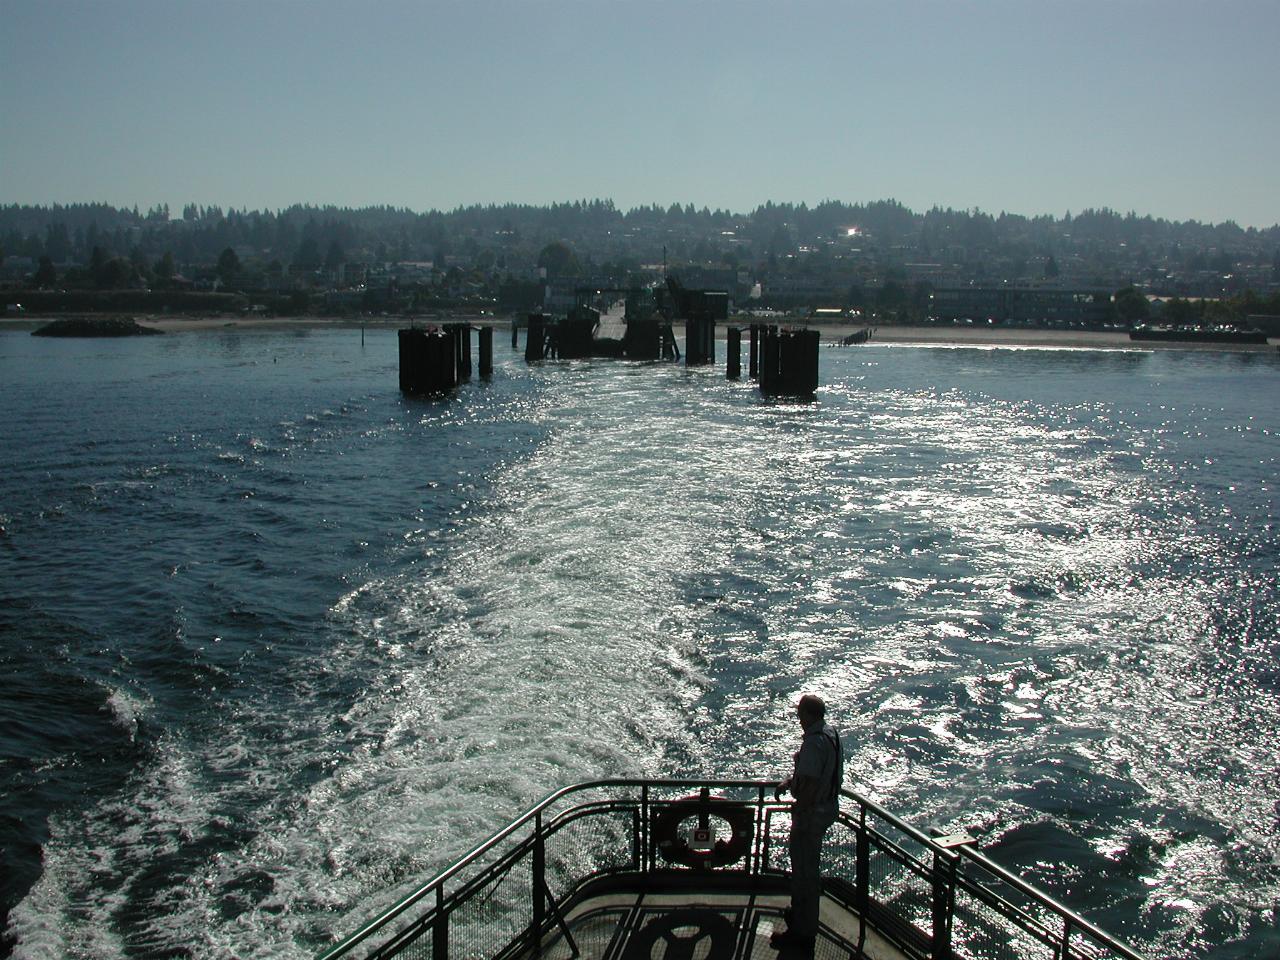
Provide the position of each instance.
(928, 896)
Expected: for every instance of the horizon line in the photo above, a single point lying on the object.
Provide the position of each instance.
(585, 201)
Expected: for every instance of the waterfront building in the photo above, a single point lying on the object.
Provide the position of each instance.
(1006, 304)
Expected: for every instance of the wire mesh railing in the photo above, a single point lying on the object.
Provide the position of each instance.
(930, 897)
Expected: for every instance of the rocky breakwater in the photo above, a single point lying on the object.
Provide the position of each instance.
(95, 327)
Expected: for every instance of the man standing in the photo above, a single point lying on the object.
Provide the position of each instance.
(815, 784)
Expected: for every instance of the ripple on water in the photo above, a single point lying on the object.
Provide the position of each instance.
(1030, 621)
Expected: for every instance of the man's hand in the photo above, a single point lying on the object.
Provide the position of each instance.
(778, 790)
(806, 790)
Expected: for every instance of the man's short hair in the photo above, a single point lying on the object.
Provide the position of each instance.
(812, 706)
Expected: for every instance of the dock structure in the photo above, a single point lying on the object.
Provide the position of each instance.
(701, 310)
(786, 360)
(589, 330)
(648, 333)
(436, 359)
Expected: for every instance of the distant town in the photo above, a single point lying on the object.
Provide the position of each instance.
(859, 263)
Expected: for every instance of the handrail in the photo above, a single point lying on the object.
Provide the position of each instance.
(913, 832)
(1066, 913)
(865, 806)
(404, 904)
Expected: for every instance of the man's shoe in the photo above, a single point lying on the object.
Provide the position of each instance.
(790, 940)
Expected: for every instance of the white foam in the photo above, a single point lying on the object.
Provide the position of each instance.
(126, 711)
(566, 630)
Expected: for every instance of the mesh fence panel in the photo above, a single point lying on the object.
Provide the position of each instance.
(777, 827)
(981, 932)
(600, 842)
(899, 887)
(840, 853)
(494, 915)
(419, 949)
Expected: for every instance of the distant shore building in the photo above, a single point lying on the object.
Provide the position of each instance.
(1042, 305)
(561, 293)
(802, 288)
(834, 315)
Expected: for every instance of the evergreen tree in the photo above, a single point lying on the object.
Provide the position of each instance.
(165, 269)
(45, 276)
(558, 259)
(1131, 306)
(228, 266)
(335, 257)
(308, 255)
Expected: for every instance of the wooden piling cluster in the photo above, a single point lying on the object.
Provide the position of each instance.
(437, 359)
(644, 339)
(701, 310)
(486, 351)
(783, 361)
(786, 361)
(649, 338)
(574, 337)
(535, 338)
(648, 327)
(699, 342)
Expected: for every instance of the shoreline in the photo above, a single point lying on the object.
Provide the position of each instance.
(831, 334)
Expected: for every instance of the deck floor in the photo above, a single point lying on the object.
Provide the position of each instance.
(666, 926)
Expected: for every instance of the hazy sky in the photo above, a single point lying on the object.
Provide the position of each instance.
(1166, 107)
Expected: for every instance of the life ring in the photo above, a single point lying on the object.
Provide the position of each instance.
(673, 848)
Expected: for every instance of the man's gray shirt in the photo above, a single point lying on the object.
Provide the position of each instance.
(821, 759)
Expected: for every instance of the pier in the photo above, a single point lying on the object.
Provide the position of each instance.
(784, 361)
(589, 329)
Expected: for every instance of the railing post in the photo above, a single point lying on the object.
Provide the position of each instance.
(944, 894)
(440, 933)
(758, 854)
(644, 826)
(862, 874)
(1066, 939)
(539, 883)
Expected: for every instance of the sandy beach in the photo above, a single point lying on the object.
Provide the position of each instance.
(905, 334)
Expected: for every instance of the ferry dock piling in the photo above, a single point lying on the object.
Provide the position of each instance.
(437, 359)
(783, 361)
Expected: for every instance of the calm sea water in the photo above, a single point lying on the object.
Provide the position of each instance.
(277, 641)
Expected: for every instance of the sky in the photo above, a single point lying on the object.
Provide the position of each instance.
(1163, 107)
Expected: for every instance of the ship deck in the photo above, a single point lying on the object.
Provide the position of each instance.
(652, 870)
(632, 920)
